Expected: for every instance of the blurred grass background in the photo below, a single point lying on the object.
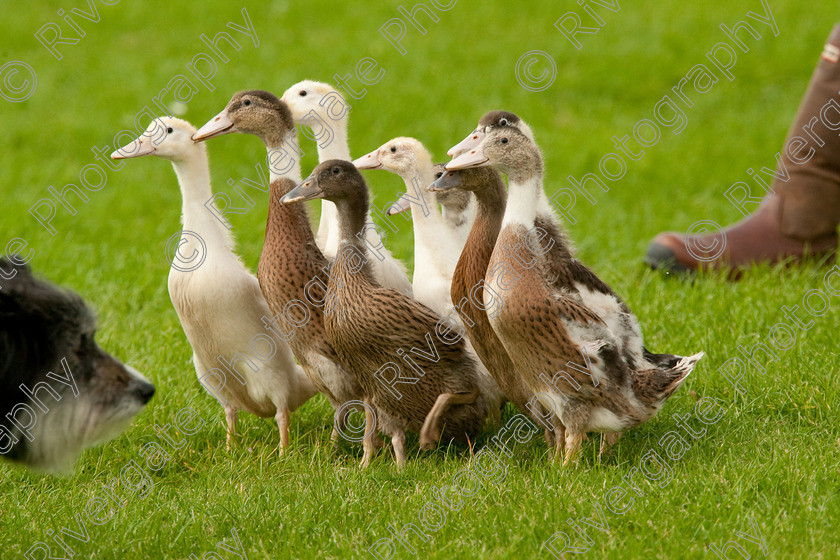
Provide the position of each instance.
(773, 456)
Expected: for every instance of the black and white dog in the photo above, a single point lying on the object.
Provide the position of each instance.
(59, 391)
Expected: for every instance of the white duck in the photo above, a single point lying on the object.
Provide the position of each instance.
(438, 240)
(219, 303)
(321, 109)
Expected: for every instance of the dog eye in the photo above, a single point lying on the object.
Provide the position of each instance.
(336, 170)
(302, 93)
(503, 122)
(393, 149)
(170, 130)
(247, 102)
(504, 140)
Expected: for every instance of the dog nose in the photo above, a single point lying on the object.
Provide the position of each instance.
(145, 392)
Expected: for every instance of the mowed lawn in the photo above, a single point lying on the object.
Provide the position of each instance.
(765, 462)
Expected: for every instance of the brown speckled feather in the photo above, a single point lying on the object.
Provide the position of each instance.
(470, 272)
(290, 259)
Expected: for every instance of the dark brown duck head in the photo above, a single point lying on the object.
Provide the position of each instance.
(341, 183)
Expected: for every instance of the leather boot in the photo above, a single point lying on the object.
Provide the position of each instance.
(800, 217)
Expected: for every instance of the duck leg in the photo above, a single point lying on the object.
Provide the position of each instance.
(558, 435)
(230, 416)
(608, 439)
(430, 432)
(398, 442)
(371, 441)
(282, 418)
(574, 440)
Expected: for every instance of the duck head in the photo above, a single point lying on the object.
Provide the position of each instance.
(403, 156)
(507, 149)
(474, 180)
(490, 121)
(335, 180)
(307, 96)
(255, 112)
(452, 199)
(166, 137)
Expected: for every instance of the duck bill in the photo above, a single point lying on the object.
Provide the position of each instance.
(400, 205)
(467, 160)
(217, 126)
(467, 144)
(449, 180)
(308, 190)
(142, 146)
(370, 161)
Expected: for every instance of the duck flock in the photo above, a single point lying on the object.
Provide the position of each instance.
(499, 309)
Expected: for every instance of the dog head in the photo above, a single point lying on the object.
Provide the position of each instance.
(59, 391)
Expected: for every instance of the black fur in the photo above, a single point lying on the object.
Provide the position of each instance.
(41, 324)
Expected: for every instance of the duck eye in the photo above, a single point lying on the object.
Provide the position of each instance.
(393, 149)
(302, 93)
(439, 174)
(247, 102)
(336, 170)
(170, 130)
(503, 122)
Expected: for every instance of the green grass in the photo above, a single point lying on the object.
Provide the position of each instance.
(772, 457)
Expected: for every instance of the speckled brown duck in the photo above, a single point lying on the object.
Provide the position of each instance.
(569, 339)
(292, 270)
(392, 343)
(468, 279)
(569, 273)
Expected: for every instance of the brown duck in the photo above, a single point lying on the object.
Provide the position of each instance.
(468, 279)
(411, 363)
(292, 271)
(570, 338)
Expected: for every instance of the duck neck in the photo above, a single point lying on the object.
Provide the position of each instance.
(283, 155)
(352, 216)
(287, 228)
(524, 200)
(337, 147)
(490, 210)
(424, 208)
(194, 179)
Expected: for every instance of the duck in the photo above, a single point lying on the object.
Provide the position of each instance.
(321, 108)
(219, 303)
(554, 323)
(438, 242)
(292, 271)
(569, 272)
(418, 377)
(441, 223)
(467, 291)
